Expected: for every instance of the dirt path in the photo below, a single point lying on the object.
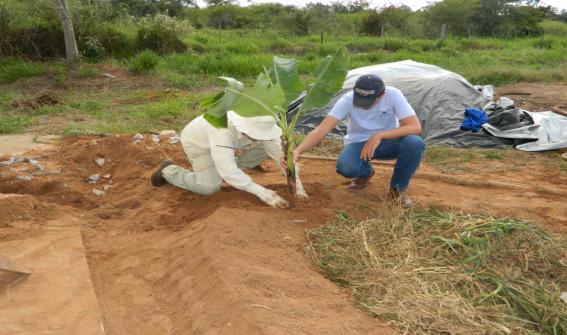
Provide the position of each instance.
(165, 261)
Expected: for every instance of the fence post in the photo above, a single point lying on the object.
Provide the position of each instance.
(321, 37)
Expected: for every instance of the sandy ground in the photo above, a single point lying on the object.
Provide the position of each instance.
(165, 261)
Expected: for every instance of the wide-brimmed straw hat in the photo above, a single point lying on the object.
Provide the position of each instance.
(262, 128)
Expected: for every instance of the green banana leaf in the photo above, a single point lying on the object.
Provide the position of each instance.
(222, 103)
(284, 73)
(264, 98)
(275, 88)
(330, 75)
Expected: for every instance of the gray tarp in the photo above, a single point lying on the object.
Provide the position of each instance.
(438, 96)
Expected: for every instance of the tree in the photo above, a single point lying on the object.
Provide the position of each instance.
(218, 3)
(456, 14)
(494, 17)
(71, 51)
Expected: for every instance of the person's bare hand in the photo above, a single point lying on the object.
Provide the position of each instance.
(367, 152)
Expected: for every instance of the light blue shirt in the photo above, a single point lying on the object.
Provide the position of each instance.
(385, 115)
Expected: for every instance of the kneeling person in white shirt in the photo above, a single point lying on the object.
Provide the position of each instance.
(212, 153)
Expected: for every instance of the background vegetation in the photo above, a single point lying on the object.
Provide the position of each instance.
(172, 44)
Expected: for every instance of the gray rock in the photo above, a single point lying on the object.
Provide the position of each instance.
(24, 178)
(106, 176)
(94, 177)
(155, 138)
(106, 187)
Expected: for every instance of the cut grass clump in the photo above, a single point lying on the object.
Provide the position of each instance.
(144, 62)
(439, 273)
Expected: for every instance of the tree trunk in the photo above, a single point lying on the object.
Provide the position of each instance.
(71, 50)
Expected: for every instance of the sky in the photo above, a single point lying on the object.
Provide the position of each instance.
(414, 4)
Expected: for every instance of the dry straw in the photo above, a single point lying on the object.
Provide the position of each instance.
(431, 272)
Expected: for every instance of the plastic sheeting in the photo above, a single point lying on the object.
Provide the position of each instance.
(438, 96)
(548, 132)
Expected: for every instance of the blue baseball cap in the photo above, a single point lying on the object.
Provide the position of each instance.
(367, 89)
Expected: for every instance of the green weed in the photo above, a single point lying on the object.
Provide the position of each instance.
(144, 62)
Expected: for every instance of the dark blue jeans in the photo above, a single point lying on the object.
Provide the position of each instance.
(407, 151)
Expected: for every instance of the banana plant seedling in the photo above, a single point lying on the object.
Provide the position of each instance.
(275, 88)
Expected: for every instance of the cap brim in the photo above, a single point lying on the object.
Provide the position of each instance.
(364, 102)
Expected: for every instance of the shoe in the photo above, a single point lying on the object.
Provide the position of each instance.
(401, 197)
(361, 182)
(157, 178)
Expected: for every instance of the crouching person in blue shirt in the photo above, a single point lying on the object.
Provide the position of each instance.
(381, 125)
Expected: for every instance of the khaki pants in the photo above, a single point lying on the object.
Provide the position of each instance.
(204, 178)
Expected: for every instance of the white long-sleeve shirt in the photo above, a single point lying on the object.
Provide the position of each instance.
(222, 144)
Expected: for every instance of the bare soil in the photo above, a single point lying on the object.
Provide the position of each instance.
(165, 261)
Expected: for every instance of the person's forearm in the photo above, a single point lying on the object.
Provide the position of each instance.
(400, 132)
(311, 140)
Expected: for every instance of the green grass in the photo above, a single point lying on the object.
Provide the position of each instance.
(10, 124)
(12, 70)
(243, 54)
(88, 72)
(432, 272)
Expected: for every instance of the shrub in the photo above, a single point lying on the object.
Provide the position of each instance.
(160, 33)
(143, 62)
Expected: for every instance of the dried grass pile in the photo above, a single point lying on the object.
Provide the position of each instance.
(431, 272)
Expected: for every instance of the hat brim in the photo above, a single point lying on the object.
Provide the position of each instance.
(261, 128)
(364, 101)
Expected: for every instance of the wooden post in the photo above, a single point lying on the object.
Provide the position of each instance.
(321, 37)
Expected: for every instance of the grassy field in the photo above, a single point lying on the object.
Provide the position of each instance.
(174, 83)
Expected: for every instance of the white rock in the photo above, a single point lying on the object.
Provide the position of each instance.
(155, 138)
(138, 137)
(24, 178)
(7, 162)
(174, 140)
(167, 133)
(106, 176)
(100, 161)
(108, 75)
(93, 142)
(94, 177)
(98, 193)
(106, 187)
(36, 164)
(563, 297)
